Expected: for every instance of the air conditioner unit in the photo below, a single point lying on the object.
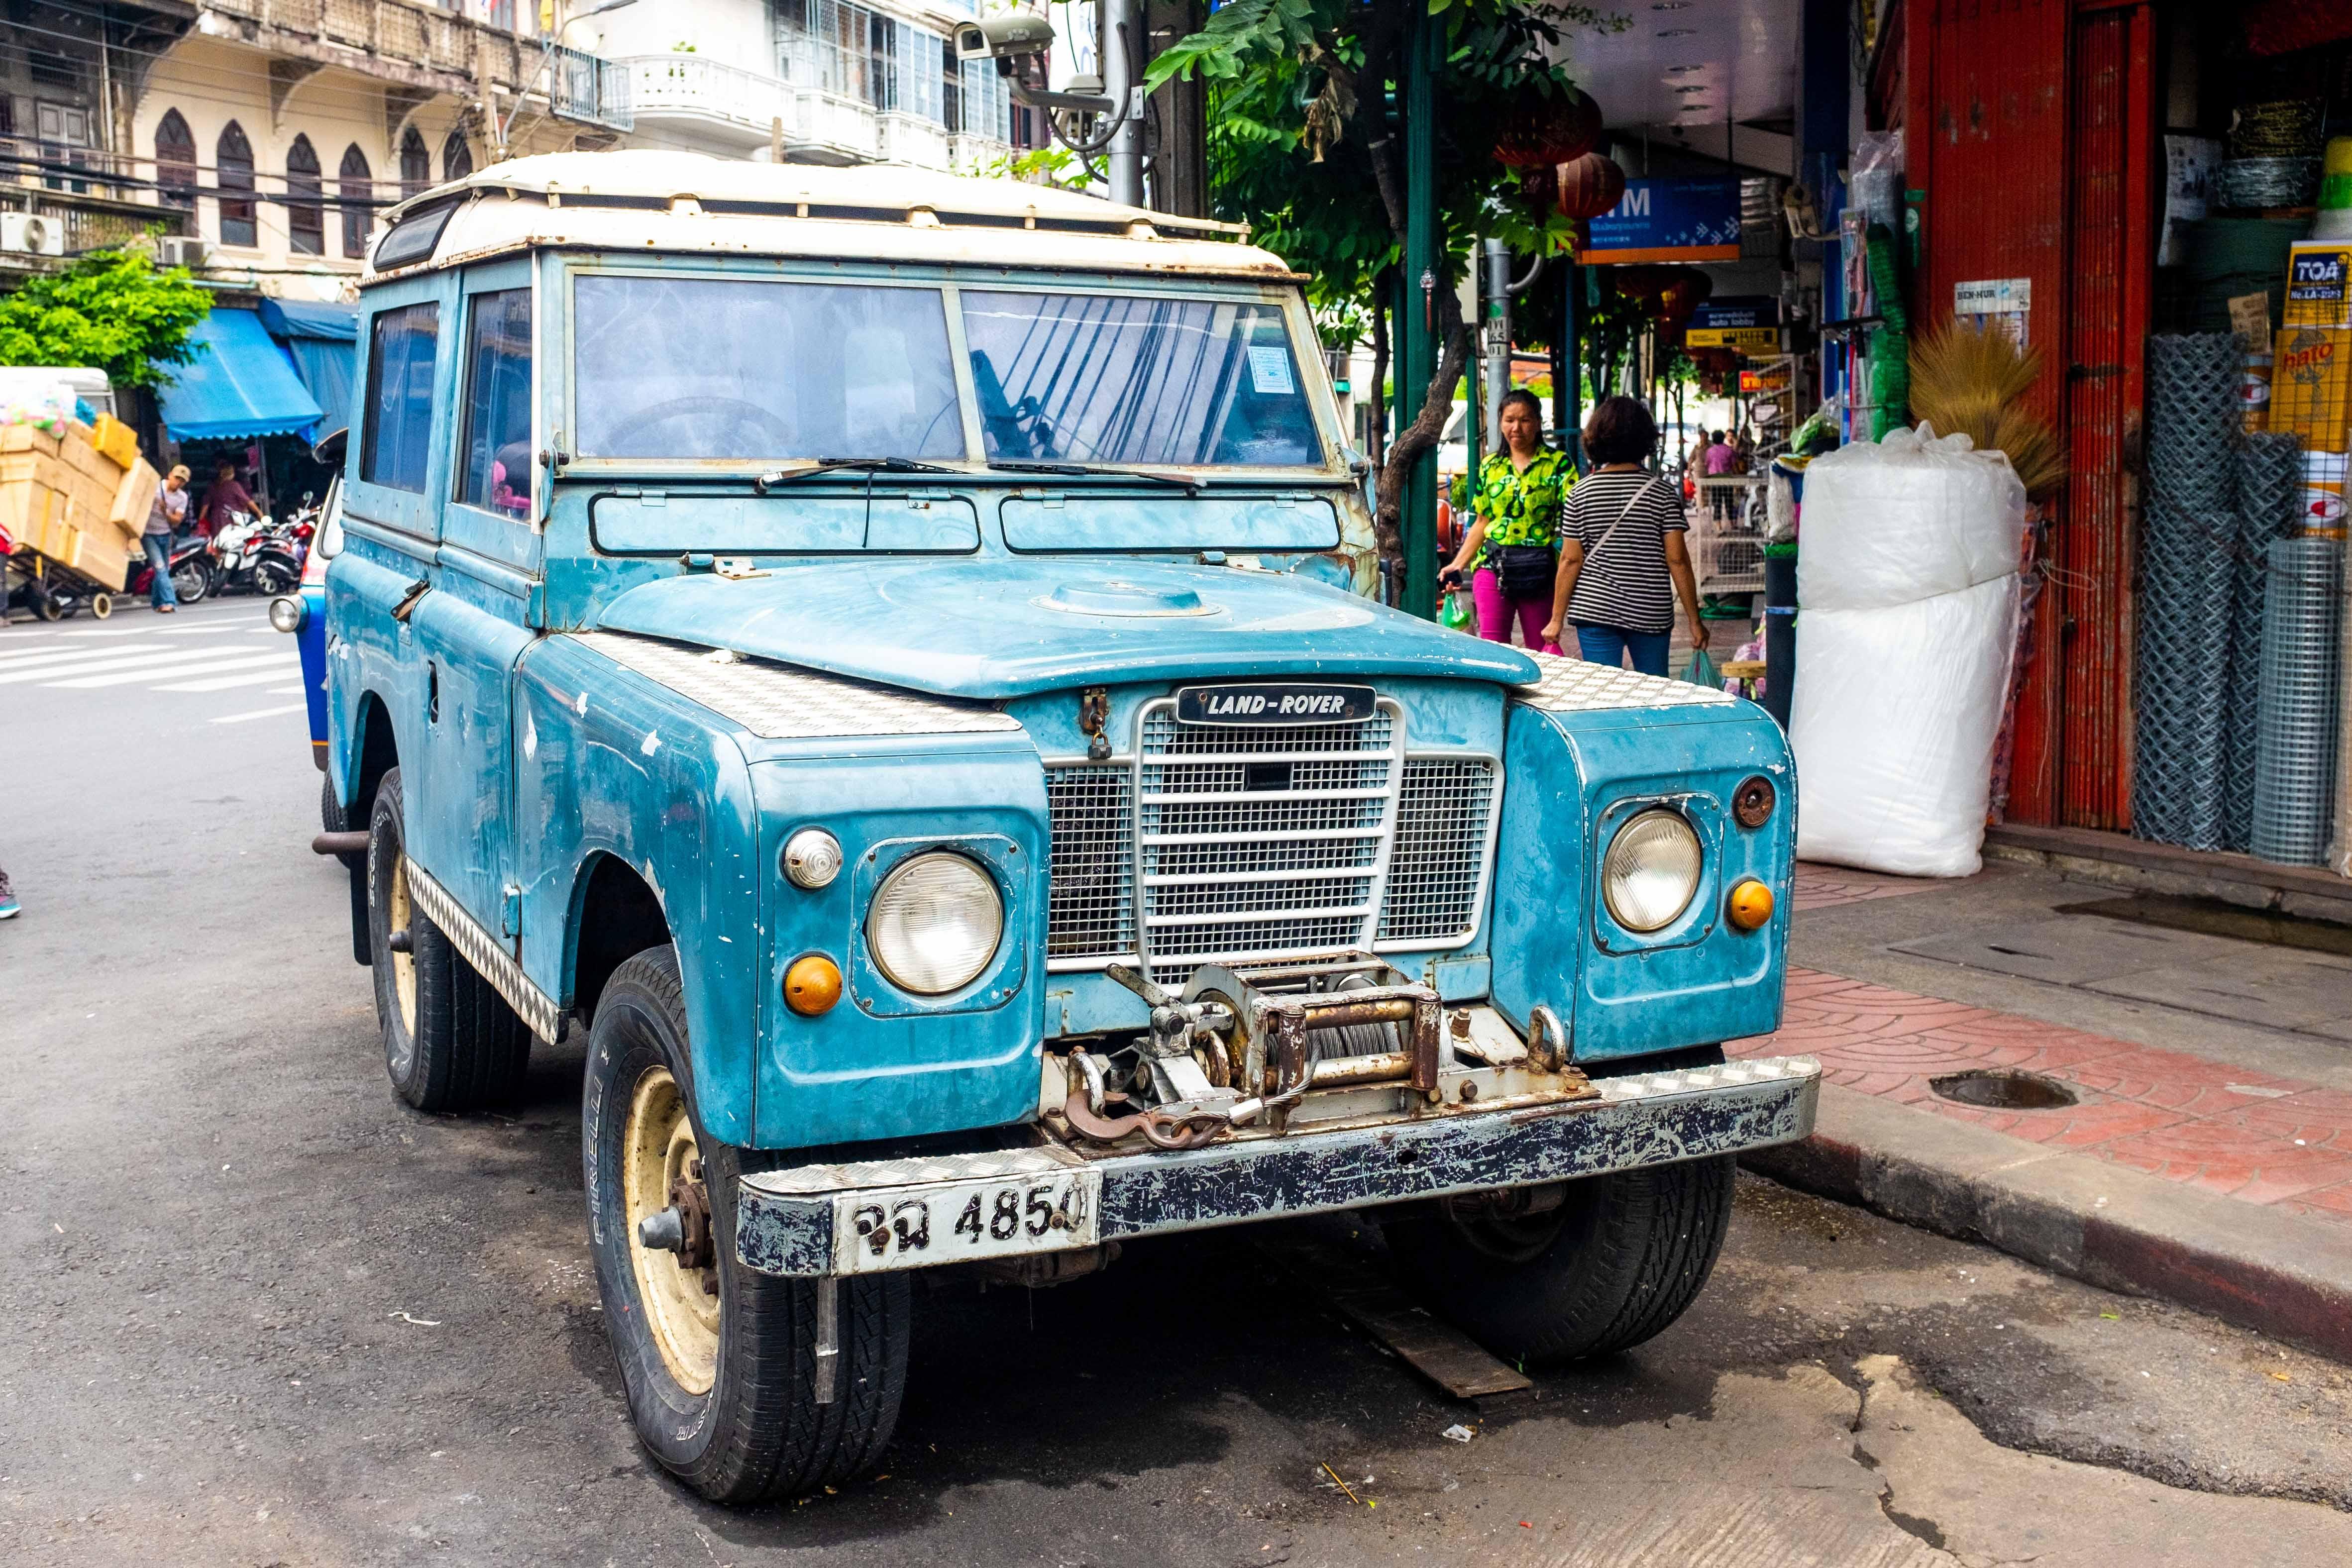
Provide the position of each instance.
(174, 250)
(32, 232)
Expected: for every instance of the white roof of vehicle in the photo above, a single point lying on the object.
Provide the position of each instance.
(687, 202)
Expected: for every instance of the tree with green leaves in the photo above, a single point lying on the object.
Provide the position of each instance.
(1301, 130)
(112, 309)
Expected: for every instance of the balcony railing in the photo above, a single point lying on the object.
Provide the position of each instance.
(972, 154)
(739, 106)
(595, 91)
(911, 139)
(407, 40)
(827, 126)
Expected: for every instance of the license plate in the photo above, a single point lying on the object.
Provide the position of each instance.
(953, 1222)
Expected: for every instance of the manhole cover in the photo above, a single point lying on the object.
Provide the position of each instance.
(2005, 1091)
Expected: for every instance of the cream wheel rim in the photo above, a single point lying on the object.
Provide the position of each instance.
(402, 916)
(657, 1150)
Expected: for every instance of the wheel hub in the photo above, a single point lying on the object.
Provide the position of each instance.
(666, 1210)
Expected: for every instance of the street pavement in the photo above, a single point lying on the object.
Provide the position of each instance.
(258, 1313)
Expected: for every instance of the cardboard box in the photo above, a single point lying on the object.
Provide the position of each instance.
(28, 438)
(116, 441)
(43, 519)
(2319, 284)
(2311, 386)
(134, 499)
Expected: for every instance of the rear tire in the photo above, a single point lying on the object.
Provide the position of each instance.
(450, 1041)
(1621, 1257)
(191, 580)
(723, 1397)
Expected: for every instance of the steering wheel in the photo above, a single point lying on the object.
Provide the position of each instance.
(745, 413)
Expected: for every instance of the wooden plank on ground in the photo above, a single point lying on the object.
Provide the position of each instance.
(1367, 1298)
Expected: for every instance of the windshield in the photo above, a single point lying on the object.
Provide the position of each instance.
(1118, 378)
(684, 367)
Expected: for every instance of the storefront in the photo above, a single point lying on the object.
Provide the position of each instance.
(2105, 178)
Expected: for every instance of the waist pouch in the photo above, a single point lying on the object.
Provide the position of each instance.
(1526, 571)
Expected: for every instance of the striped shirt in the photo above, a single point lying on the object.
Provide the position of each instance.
(1624, 583)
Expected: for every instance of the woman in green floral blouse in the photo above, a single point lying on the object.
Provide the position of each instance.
(1509, 552)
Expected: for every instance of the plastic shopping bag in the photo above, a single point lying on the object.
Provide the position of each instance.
(1701, 670)
(1455, 614)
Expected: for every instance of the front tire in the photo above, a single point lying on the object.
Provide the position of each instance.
(1616, 1260)
(191, 580)
(718, 1360)
(450, 1041)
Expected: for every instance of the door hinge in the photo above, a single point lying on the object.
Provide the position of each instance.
(511, 909)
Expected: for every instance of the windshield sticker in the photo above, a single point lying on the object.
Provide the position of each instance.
(1270, 372)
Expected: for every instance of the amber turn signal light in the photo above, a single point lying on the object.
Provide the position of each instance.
(1749, 907)
(813, 984)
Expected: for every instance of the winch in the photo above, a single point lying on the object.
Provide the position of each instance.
(1244, 1046)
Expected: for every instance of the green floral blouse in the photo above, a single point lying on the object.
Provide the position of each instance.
(1521, 506)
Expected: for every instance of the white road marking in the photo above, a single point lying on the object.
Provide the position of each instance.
(201, 631)
(153, 670)
(92, 664)
(31, 657)
(111, 631)
(295, 691)
(272, 672)
(259, 713)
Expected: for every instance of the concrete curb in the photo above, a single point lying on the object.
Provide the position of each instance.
(2275, 1273)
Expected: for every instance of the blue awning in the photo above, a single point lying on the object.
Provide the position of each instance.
(242, 384)
(324, 342)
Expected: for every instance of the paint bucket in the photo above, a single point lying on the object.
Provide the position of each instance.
(2254, 393)
(2334, 220)
(2322, 511)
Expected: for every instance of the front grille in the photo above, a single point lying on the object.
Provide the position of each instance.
(1222, 844)
(1439, 858)
(1091, 908)
(1225, 818)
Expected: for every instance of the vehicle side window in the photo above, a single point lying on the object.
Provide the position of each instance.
(495, 457)
(400, 396)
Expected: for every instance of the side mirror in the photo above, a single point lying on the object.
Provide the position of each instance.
(329, 542)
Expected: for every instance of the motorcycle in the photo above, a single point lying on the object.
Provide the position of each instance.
(281, 549)
(191, 567)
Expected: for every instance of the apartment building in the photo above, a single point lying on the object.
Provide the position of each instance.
(261, 137)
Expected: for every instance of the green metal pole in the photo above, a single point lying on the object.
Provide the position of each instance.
(1421, 280)
(1572, 433)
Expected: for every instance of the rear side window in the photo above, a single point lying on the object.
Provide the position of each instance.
(401, 345)
(495, 459)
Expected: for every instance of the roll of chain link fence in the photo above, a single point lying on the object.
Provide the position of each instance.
(2189, 596)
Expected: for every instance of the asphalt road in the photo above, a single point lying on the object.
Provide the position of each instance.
(256, 1312)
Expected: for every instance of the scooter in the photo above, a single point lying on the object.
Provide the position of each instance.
(191, 567)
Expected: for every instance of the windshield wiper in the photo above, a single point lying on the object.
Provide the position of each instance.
(1024, 465)
(837, 465)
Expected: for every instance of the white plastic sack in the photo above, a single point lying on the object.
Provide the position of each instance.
(1908, 592)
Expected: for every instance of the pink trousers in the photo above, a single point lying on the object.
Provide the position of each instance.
(1494, 611)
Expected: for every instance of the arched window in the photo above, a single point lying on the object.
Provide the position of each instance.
(456, 158)
(306, 215)
(175, 161)
(232, 164)
(416, 164)
(352, 185)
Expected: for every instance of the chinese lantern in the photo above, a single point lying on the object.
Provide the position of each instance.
(1546, 129)
(1687, 290)
(1589, 186)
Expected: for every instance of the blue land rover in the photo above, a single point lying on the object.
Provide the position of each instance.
(889, 659)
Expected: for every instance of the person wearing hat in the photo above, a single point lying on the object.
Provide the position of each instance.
(163, 521)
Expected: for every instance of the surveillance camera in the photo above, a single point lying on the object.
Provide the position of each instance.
(1010, 35)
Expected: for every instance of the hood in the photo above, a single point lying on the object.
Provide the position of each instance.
(991, 628)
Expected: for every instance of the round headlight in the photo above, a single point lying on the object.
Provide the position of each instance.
(1650, 872)
(288, 613)
(934, 924)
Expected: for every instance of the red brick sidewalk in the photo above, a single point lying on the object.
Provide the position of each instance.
(2250, 1135)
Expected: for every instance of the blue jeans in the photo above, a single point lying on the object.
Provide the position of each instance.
(160, 590)
(1608, 645)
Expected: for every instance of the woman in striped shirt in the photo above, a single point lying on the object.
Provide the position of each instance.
(1622, 560)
